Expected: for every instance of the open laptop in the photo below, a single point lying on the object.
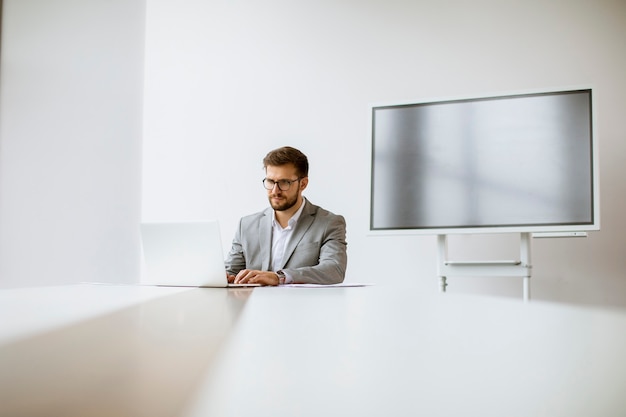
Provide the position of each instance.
(184, 254)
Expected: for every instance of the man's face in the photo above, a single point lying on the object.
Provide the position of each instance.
(284, 200)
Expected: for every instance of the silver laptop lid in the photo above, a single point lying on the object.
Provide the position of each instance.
(183, 254)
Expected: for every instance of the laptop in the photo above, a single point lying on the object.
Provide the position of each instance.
(184, 254)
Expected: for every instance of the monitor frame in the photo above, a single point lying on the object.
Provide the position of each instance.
(547, 229)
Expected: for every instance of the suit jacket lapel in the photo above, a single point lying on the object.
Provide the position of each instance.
(304, 222)
(265, 238)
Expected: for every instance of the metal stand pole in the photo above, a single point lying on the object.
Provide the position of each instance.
(442, 255)
(525, 258)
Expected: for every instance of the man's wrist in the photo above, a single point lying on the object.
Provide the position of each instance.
(281, 277)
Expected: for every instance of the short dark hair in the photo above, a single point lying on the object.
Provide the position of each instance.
(288, 155)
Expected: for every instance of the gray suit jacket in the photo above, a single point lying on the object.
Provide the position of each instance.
(315, 253)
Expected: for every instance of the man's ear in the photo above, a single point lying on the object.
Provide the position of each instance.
(303, 183)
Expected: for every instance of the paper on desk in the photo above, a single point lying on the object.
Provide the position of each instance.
(342, 284)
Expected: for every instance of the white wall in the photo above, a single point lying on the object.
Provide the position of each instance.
(228, 81)
(71, 85)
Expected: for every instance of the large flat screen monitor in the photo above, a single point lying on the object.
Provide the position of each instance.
(511, 163)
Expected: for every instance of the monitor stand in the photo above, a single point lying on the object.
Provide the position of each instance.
(505, 268)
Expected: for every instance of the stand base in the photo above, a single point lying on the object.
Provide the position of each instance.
(521, 268)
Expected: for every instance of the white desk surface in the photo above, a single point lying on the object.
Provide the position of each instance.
(369, 351)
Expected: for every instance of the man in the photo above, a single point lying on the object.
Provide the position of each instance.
(293, 241)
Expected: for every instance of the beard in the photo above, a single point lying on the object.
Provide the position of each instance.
(283, 204)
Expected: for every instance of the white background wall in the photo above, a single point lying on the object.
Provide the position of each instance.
(227, 81)
(71, 75)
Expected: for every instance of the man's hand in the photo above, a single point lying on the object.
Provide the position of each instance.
(256, 277)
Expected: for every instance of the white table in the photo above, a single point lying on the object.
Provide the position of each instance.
(367, 351)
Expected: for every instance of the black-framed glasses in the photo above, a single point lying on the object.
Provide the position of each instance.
(283, 185)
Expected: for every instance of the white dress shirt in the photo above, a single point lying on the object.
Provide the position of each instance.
(280, 237)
